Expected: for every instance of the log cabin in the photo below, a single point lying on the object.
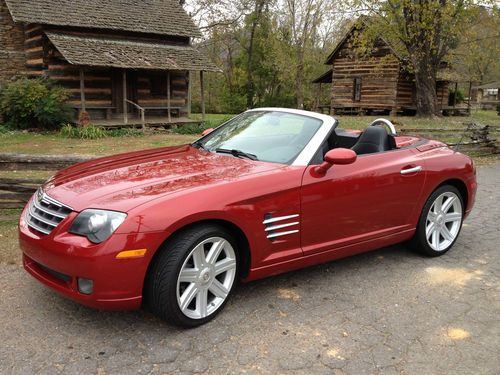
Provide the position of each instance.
(377, 82)
(119, 59)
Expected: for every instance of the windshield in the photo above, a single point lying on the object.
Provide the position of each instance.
(276, 137)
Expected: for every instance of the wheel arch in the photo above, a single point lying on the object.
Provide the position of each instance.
(461, 187)
(243, 245)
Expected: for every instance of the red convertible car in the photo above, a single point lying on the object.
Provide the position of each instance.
(269, 191)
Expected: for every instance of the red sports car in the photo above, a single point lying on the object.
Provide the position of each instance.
(269, 191)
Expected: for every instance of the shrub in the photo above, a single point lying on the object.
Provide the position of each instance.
(460, 97)
(34, 103)
(84, 132)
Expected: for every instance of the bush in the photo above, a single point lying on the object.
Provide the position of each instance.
(460, 97)
(34, 103)
(197, 129)
(84, 132)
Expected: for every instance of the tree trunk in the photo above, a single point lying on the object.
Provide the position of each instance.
(426, 97)
(259, 5)
(299, 79)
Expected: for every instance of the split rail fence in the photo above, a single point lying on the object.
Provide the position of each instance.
(15, 192)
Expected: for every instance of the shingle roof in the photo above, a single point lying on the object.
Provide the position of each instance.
(326, 77)
(94, 51)
(165, 17)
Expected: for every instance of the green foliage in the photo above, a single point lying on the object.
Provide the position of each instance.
(3, 129)
(84, 132)
(460, 97)
(125, 132)
(34, 103)
(197, 129)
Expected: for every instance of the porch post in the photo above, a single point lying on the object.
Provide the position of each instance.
(455, 95)
(202, 97)
(470, 93)
(125, 114)
(82, 90)
(168, 97)
(189, 98)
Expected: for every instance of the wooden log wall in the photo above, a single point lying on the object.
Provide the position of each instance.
(406, 92)
(34, 48)
(379, 78)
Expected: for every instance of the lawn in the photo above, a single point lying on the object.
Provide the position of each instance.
(478, 117)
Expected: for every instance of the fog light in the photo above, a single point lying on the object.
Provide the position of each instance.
(85, 286)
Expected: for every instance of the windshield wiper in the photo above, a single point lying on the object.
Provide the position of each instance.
(237, 153)
(198, 144)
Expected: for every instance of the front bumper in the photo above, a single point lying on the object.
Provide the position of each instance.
(58, 259)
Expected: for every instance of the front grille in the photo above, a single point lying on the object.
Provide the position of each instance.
(58, 275)
(45, 213)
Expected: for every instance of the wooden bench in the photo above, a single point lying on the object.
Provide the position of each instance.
(176, 109)
(108, 109)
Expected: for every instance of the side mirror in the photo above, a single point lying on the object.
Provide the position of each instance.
(339, 156)
(207, 131)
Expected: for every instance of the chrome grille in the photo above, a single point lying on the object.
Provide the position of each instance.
(45, 213)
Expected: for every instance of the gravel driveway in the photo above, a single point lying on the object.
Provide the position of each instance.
(388, 311)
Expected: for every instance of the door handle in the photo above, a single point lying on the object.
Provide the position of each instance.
(411, 170)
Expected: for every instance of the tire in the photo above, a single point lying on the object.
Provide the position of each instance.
(196, 265)
(440, 222)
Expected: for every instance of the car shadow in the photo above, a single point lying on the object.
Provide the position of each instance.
(279, 287)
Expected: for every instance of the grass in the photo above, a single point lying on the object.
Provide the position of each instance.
(479, 117)
(54, 143)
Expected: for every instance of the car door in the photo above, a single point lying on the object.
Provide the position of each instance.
(371, 198)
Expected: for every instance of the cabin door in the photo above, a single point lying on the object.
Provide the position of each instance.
(118, 92)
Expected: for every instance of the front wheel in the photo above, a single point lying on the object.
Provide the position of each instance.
(193, 276)
(440, 222)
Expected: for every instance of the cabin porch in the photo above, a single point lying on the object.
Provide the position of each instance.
(132, 97)
(135, 121)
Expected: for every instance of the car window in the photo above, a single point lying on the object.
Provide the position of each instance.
(271, 136)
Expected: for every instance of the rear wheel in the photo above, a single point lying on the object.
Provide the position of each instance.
(193, 276)
(440, 222)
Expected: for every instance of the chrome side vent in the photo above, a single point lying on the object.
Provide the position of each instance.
(45, 213)
(280, 225)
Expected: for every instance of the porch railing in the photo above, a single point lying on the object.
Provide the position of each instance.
(142, 111)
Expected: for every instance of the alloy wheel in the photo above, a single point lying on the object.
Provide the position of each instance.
(443, 221)
(206, 278)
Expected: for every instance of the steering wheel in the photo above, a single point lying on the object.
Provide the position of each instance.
(387, 123)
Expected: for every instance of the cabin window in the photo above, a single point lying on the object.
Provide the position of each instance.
(357, 89)
(158, 85)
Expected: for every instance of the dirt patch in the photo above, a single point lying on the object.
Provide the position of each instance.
(456, 276)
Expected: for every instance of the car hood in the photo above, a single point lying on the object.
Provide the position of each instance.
(122, 182)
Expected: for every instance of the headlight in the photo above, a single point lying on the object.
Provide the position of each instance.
(97, 225)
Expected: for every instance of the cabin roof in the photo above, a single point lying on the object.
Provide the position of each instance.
(164, 17)
(326, 77)
(396, 46)
(491, 85)
(112, 52)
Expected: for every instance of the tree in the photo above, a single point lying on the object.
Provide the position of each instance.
(479, 48)
(428, 30)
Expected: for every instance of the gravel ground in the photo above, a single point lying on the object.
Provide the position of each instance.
(388, 311)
